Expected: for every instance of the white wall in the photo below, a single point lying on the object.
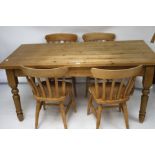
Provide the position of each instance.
(11, 37)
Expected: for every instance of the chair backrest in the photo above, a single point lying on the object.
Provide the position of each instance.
(44, 82)
(98, 37)
(61, 38)
(121, 83)
(153, 38)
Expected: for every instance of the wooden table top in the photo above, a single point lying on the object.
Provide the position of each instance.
(88, 54)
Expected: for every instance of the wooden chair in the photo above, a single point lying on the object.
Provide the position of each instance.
(112, 88)
(63, 38)
(49, 90)
(96, 37)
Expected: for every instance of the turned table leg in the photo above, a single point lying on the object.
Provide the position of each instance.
(147, 82)
(13, 83)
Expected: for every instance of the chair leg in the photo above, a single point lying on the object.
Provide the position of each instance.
(132, 90)
(72, 95)
(38, 107)
(74, 85)
(119, 107)
(44, 106)
(125, 113)
(89, 105)
(99, 110)
(73, 102)
(87, 85)
(63, 115)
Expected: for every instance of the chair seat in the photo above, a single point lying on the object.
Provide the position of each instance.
(107, 93)
(54, 96)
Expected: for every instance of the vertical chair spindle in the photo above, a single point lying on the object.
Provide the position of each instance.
(41, 87)
(120, 89)
(56, 87)
(104, 90)
(48, 87)
(96, 88)
(112, 89)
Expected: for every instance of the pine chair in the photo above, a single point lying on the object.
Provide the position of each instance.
(49, 90)
(112, 88)
(63, 38)
(96, 36)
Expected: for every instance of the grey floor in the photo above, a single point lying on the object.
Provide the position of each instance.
(50, 119)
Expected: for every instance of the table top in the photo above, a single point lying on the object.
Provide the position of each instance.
(86, 54)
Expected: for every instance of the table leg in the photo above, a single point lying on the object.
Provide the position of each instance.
(147, 82)
(13, 83)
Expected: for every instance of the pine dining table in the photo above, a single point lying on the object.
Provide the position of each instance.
(80, 57)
